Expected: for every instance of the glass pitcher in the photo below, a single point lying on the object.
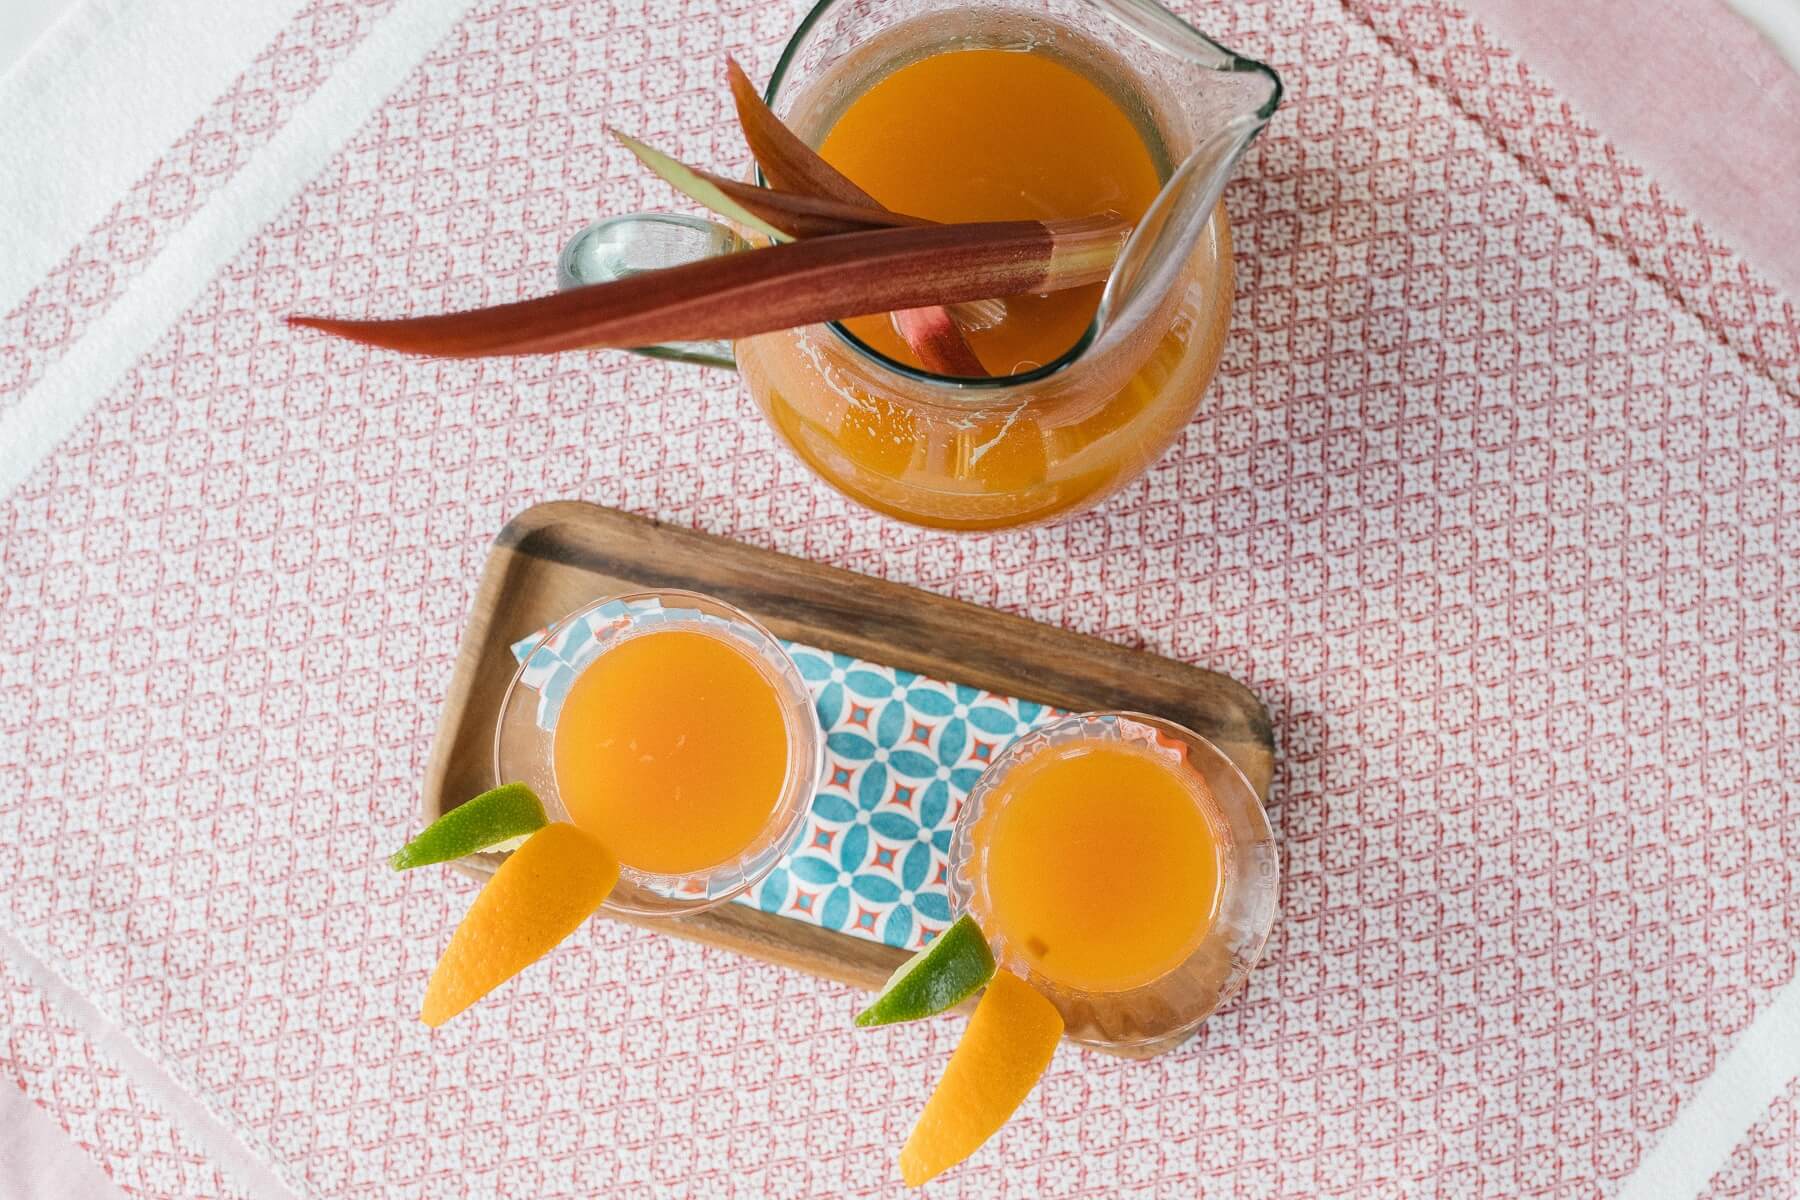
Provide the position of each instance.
(1009, 450)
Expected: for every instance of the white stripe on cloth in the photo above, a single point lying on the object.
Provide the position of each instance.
(100, 97)
(175, 278)
(224, 1150)
(38, 1158)
(1776, 20)
(1717, 1116)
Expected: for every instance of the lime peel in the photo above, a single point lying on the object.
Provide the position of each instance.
(956, 965)
(500, 819)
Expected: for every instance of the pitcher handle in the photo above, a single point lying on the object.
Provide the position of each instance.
(629, 245)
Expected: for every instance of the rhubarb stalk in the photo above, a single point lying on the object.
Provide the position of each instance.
(774, 287)
(790, 165)
(934, 337)
(697, 186)
(777, 215)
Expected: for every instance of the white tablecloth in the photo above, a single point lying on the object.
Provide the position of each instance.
(1493, 503)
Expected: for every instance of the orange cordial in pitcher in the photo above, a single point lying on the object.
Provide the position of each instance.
(990, 135)
(986, 134)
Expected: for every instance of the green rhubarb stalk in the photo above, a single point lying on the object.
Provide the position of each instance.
(777, 215)
(697, 187)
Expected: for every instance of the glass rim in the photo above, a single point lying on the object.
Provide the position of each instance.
(798, 784)
(1126, 13)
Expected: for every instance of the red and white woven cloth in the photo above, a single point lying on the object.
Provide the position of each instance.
(1496, 502)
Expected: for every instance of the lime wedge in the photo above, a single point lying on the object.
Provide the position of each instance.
(939, 977)
(496, 820)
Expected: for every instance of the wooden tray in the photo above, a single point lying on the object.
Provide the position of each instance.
(556, 557)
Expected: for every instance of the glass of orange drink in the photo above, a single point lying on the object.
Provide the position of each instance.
(674, 729)
(1124, 866)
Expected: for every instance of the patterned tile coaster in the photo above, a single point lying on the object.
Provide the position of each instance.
(901, 753)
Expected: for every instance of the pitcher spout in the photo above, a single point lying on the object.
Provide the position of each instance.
(1212, 105)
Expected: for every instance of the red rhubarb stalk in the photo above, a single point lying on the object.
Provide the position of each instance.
(775, 287)
(934, 337)
(790, 165)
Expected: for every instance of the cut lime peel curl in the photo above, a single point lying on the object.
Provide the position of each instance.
(956, 965)
(500, 819)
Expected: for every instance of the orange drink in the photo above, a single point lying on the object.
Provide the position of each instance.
(671, 748)
(674, 730)
(1124, 866)
(991, 135)
(978, 115)
(1036, 403)
(1102, 863)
